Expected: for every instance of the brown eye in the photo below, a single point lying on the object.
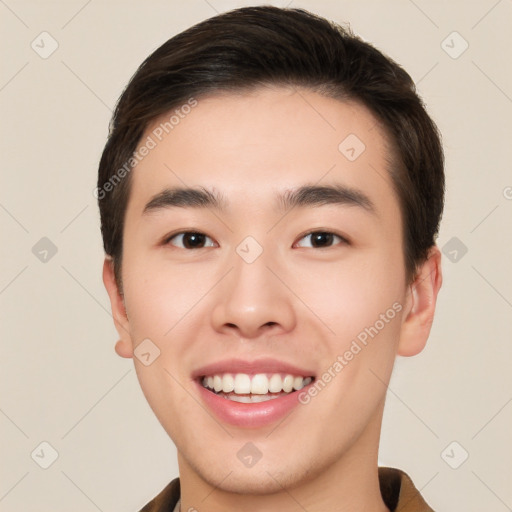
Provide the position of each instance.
(190, 240)
(320, 239)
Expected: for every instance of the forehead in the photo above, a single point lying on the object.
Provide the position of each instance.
(250, 146)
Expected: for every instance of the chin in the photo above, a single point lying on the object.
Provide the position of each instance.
(260, 479)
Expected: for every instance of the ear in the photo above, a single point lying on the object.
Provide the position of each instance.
(124, 347)
(420, 305)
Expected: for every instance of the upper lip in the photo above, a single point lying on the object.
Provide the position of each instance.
(263, 365)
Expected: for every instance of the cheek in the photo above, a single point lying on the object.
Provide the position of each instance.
(347, 298)
(160, 296)
(163, 304)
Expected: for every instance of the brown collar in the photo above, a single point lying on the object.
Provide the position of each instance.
(397, 489)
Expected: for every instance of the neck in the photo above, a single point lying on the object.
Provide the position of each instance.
(348, 483)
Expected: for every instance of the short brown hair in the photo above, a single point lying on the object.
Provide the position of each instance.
(255, 46)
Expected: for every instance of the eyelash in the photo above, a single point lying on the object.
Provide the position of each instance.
(167, 240)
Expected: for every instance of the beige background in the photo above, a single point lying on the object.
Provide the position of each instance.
(60, 378)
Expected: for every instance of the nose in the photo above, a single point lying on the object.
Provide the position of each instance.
(253, 300)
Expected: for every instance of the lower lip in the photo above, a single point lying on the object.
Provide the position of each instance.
(254, 415)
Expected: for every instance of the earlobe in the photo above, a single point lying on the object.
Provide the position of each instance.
(421, 302)
(124, 347)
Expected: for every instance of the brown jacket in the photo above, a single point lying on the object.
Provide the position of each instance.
(397, 489)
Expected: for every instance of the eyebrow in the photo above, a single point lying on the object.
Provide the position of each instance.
(304, 196)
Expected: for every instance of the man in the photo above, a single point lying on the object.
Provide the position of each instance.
(270, 194)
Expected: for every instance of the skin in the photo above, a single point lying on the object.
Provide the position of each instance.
(323, 456)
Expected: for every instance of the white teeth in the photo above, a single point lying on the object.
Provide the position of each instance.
(243, 399)
(260, 398)
(242, 384)
(298, 383)
(247, 399)
(228, 383)
(217, 383)
(254, 385)
(259, 384)
(276, 384)
(288, 383)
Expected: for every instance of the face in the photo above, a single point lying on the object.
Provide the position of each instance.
(288, 267)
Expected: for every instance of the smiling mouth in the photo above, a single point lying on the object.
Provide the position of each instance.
(260, 387)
